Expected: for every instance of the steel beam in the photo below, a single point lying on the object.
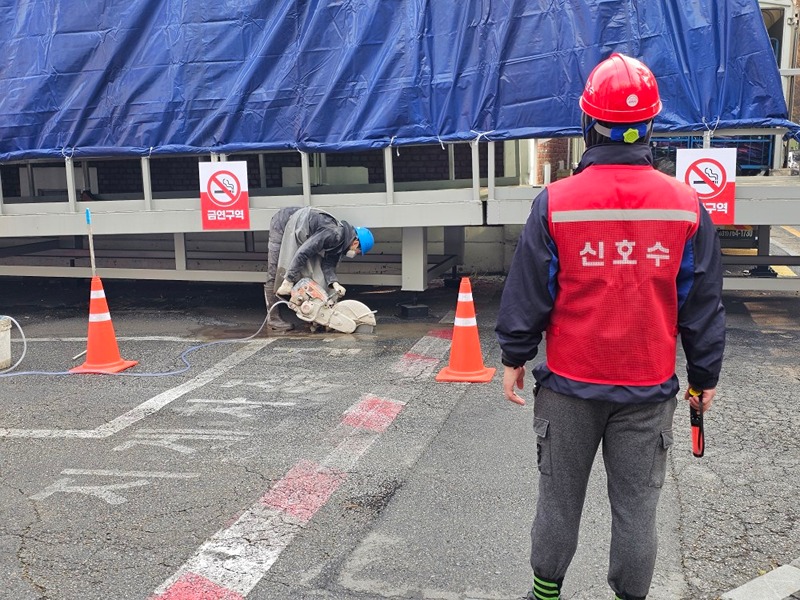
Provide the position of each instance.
(32, 248)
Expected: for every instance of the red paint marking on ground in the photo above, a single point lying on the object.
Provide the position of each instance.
(445, 334)
(303, 490)
(373, 413)
(412, 364)
(195, 587)
(300, 494)
(413, 357)
(232, 520)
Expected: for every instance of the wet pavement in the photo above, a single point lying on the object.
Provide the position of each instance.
(133, 476)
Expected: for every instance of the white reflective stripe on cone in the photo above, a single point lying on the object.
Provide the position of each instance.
(464, 297)
(461, 322)
(97, 294)
(99, 317)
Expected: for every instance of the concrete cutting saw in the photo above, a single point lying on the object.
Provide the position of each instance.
(309, 302)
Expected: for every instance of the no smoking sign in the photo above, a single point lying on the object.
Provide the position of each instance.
(224, 199)
(223, 188)
(712, 173)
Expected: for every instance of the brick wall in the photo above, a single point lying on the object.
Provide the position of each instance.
(173, 174)
(119, 176)
(180, 173)
(430, 163)
(273, 163)
(420, 163)
(371, 160)
(552, 151)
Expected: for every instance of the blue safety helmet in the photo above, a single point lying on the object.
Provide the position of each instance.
(365, 239)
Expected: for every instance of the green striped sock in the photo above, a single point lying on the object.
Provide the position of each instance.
(545, 590)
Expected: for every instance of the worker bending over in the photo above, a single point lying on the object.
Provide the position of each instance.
(308, 242)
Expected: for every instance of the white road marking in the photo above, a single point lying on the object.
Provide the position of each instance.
(150, 406)
(233, 560)
(166, 438)
(51, 433)
(328, 351)
(241, 401)
(107, 493)
(104, 492)
(423, 357)
(121, 338)
(301, 384)
(112, 473)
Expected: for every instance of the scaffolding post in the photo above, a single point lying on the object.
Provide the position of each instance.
(147, 183)
(490, 174)
(388, 169)
(305, 171)
(31, 182)
(476, 171)
(451, 162)
(262, 171)
(87, 180)
(533, 162)
(71, 194)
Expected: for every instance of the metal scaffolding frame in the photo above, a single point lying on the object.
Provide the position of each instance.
(413, 212)
(762, 201)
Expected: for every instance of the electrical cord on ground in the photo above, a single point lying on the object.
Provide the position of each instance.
(182, 357)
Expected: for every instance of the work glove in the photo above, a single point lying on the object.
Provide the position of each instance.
(285, 289)
(338, 289)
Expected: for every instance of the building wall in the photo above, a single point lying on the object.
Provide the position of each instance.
(554, 152)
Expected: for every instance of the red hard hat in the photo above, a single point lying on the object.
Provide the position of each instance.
(621, 89)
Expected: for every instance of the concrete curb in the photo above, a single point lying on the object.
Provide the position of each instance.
(781, 584)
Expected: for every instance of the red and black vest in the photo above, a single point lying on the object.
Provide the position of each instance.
(620, 232)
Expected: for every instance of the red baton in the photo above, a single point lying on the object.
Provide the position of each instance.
(696, 418)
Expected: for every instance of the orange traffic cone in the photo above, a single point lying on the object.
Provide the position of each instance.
(466, 359)
(102, 352)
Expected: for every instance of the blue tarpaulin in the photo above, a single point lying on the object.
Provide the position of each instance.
(139, 77)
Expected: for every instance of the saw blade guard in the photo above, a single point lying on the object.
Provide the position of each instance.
(356, 311)
(311, 303)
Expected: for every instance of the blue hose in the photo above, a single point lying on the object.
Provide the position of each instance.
(184, 354)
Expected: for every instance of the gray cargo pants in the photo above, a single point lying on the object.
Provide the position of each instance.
(636, 439)
(277, 226)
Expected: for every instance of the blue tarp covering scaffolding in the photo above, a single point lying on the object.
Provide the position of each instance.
(139, 77)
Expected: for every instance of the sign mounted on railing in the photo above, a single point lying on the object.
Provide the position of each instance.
(712, 173)
(224, 199)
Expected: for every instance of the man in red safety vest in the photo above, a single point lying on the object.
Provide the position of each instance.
(612, 264)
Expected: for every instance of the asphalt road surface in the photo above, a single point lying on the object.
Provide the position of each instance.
(330, 466)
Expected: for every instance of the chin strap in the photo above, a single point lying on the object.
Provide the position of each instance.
(624, 132)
